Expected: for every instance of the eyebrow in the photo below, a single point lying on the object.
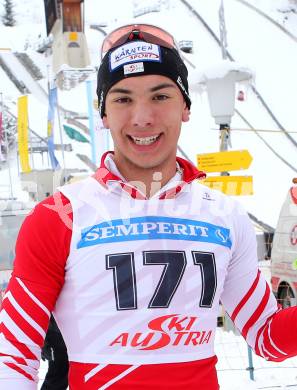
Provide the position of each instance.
(120, 90)
(153, 89)
(161, 86)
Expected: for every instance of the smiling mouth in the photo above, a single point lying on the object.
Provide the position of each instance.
(144, 140)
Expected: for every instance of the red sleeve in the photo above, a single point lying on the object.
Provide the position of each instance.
(43, 246)
(42, 249)
(278, 336)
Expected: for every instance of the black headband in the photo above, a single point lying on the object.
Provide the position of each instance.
(139, 58)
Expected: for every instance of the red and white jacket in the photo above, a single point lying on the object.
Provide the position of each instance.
(135, 285)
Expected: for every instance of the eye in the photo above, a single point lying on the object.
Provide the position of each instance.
(122, 99)
(161, 96)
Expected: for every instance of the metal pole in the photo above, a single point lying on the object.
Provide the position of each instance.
(223, 32)
(224, 136)
(7, 151)
(48, 78)
(251, 367)
(48, 93)
(18, 162)
(224, 141)
(1, 127)
(224, 127)
(61, 136)
(31, 147)
(89, 84)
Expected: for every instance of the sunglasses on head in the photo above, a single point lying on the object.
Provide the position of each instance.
(145, 32)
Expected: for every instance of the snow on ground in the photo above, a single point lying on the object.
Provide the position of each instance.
(233, 366)
(282, 11)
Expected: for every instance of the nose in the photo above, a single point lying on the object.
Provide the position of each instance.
(143, 115)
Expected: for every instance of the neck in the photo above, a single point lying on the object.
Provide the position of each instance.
(148, 180)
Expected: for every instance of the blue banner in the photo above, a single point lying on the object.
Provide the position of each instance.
(89, 85)
(154, 228)
(52, 104)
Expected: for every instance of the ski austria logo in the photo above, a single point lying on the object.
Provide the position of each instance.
(134, 52)
(172, 329)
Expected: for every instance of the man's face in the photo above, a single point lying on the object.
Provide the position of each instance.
(144, 115)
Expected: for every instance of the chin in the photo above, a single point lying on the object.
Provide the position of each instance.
(149, 164)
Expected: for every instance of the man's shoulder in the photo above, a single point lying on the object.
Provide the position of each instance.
(49, 212)
(80, 189)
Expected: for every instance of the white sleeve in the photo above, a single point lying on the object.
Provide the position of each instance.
(20, 384)
(246, 296)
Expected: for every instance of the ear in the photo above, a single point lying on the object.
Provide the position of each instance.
(186, 114)
(105, 122)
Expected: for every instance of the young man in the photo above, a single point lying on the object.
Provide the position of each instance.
(135, 260)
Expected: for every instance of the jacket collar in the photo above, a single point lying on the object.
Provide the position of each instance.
(190, 173)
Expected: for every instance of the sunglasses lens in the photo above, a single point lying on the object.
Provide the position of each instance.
(149, 33)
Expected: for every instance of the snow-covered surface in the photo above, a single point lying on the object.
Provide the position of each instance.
(279, 10)
(221, 69)
(253, 41)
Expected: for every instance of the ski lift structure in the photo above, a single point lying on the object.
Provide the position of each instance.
(186, 46)
(71, 60)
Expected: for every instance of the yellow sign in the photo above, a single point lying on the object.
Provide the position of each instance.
(73, 36)
(95, 104)
(224, 161)
(23, 133)
(231, 185)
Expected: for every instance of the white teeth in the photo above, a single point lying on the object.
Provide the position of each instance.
(145, 140)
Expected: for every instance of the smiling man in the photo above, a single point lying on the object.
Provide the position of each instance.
(143, 98)
(135, 260)
(145, 114)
